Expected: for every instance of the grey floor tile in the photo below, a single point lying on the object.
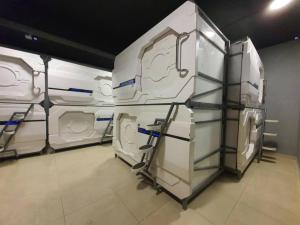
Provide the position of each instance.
(89, 186)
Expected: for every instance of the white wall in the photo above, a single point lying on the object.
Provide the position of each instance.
(282, 71)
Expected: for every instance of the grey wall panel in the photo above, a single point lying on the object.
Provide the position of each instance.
(299, 143)
(282, 71)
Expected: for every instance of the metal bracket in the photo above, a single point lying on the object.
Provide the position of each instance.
(203, 105)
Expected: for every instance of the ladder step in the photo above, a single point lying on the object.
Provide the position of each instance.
(146, 148)
(12, 132)
(270, 134)
(1, 148)
(272, 121)
(19, 116)
(108, 135)
(269, 148)
(138, 166)
(154, 127)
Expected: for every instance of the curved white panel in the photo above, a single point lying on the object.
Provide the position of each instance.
(160, 79)
(146, 71)
(72, 84)
(179, 58)
(243, 134)
(184, 143)
(128, 135)
(103, 91)
(246, 68)
(22, 77)
(77, 125)
(249, 134)
(159, 66)
(31, 135)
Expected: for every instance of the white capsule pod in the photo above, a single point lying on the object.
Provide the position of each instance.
(71, 126)
(22, 77)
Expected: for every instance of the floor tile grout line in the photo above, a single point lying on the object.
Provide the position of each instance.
(239, 201)
(205, 217)
(65, 221)
(57, 183)
(93, 202)
(230, 197)
(266, 215)
(120, 198)
(76, 210)
(150, 214)
(236, 204)
(82, 207)
(124, 204)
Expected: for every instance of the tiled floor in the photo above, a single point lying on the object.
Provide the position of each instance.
(90, 187)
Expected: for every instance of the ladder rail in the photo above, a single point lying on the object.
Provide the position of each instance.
(28, 110)
(106, 129)
(150, 138)
(17, 126)
(7, 124)
(12, 116)
(163, 129)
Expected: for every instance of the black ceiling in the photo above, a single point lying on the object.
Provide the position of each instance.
(110, 26)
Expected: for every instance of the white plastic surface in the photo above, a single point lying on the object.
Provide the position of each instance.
(22, 77)
(31, 135)
(244, 128)
(22, 80)
(245, 67)
(173, 165)
(72, 84)
(145, 72)
(77, 125)
(244, 135)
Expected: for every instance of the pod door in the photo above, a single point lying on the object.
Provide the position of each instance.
(159, 78)
(22, 77)
(75, 125)
(247, 138)
(250, 128)
(72, 84)
(167, 66)
(127, 135)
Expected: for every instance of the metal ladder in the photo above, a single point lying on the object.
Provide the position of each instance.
(265, 145)
(10, 129)
(149, 150)
(107, 136)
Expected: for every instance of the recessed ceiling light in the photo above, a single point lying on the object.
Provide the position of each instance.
(278, 4)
